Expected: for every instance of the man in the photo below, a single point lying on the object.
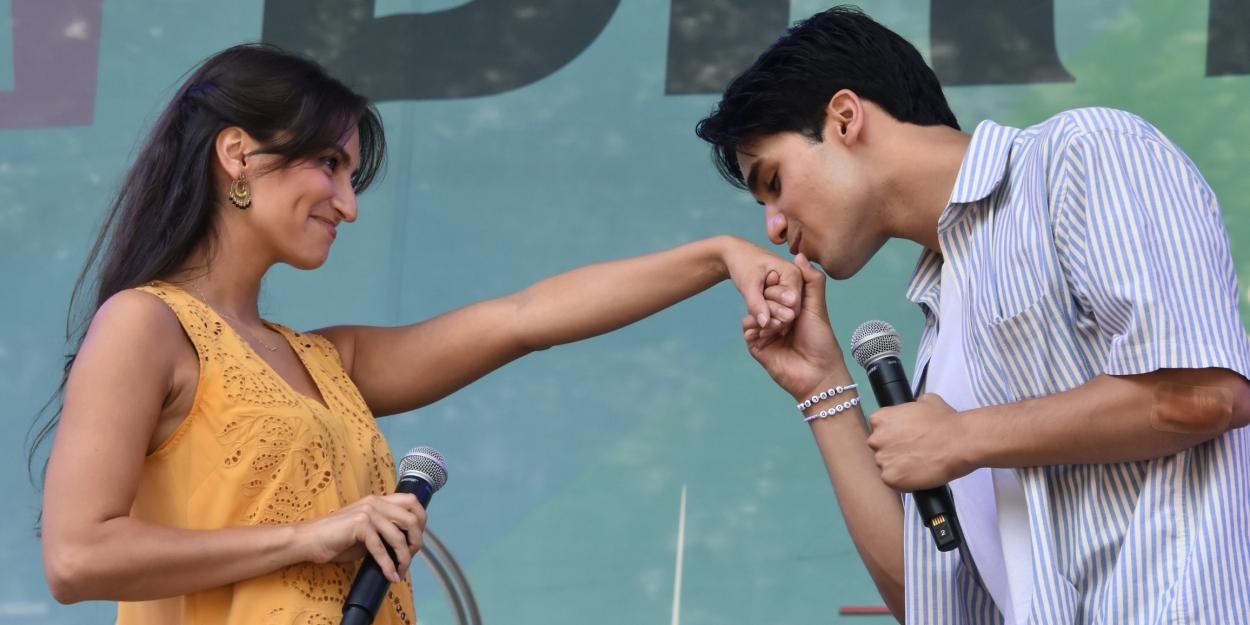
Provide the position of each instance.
(1083, 350)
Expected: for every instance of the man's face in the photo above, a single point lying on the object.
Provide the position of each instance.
(817, 199)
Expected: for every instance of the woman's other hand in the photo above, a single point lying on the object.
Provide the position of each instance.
(367, 527)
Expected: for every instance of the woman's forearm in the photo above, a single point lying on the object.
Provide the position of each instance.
(399, 369)
(599, 298)
(125, 559)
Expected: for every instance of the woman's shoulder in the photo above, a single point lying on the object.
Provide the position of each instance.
(137, 329)
(138, 312)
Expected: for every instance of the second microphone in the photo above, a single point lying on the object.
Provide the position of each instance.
(421, 472)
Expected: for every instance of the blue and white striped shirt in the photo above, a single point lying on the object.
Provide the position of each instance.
(1090, 244)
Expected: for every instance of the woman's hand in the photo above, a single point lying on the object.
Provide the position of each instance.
(771, 286)
(367, 527)
(805, 356)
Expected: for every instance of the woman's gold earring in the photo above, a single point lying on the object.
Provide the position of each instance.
(240, 194)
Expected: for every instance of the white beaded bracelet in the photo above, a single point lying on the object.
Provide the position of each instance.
(837, 390)
(847, 405)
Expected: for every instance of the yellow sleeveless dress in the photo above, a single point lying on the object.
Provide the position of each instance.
(254, 451)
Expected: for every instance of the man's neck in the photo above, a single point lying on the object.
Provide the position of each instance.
(920, 165)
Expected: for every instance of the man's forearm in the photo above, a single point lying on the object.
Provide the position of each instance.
(873, 512)
(1106, 420)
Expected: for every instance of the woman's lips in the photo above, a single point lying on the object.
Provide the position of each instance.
(794, 245)
(334, 233)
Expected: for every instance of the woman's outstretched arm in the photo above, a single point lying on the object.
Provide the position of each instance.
(136, 372)
(402, 368)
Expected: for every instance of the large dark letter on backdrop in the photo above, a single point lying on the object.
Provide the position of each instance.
(994, 42)
(1228, 38)
(711, 41)
(480, 48)
(56, 55)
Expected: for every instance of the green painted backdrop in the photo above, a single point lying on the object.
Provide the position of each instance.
(566, 467)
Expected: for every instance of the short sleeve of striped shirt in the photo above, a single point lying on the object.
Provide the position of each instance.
(1149, 255)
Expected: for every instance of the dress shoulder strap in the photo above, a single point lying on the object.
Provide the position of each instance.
(201, 326)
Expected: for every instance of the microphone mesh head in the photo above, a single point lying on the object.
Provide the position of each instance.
(874, 340)
(427, 462)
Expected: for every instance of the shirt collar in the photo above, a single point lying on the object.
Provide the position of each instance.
(983, 169)
(985, 163)
(926, 280)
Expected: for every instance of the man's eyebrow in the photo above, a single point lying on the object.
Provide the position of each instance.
(753, 175)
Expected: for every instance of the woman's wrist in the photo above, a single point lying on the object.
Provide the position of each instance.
(724, 246)
(296, 545)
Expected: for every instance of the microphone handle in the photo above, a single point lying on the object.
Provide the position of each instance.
(936, 508)
(370, 587)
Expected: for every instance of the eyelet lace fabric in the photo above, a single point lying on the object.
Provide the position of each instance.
(253, 451)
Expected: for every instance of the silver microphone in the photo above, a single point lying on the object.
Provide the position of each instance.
(422, 471)
(874, 340)
(875, 346)
(425, 463)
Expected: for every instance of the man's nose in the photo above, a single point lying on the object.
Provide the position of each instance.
(775, 224)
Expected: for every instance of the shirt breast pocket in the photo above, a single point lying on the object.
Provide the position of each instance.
(1021, 350)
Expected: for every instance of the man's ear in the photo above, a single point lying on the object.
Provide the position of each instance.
(844, 117)
(232, 146)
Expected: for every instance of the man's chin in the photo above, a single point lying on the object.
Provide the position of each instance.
(816, 261)
(844, 266)
(839, 271)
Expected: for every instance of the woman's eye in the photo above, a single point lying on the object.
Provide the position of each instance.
(331, 162)
(774, 184)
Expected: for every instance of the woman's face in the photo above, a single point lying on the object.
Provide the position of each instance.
(296, 210)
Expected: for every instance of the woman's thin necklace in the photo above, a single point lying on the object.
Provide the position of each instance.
(236, 321)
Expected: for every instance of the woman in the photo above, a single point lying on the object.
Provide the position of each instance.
(239, 473)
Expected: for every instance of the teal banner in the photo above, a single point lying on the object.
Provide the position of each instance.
(528, 138)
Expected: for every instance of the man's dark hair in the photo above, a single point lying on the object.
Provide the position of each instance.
(789, 86)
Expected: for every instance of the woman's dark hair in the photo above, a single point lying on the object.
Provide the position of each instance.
(789, 86)
(167, 206)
